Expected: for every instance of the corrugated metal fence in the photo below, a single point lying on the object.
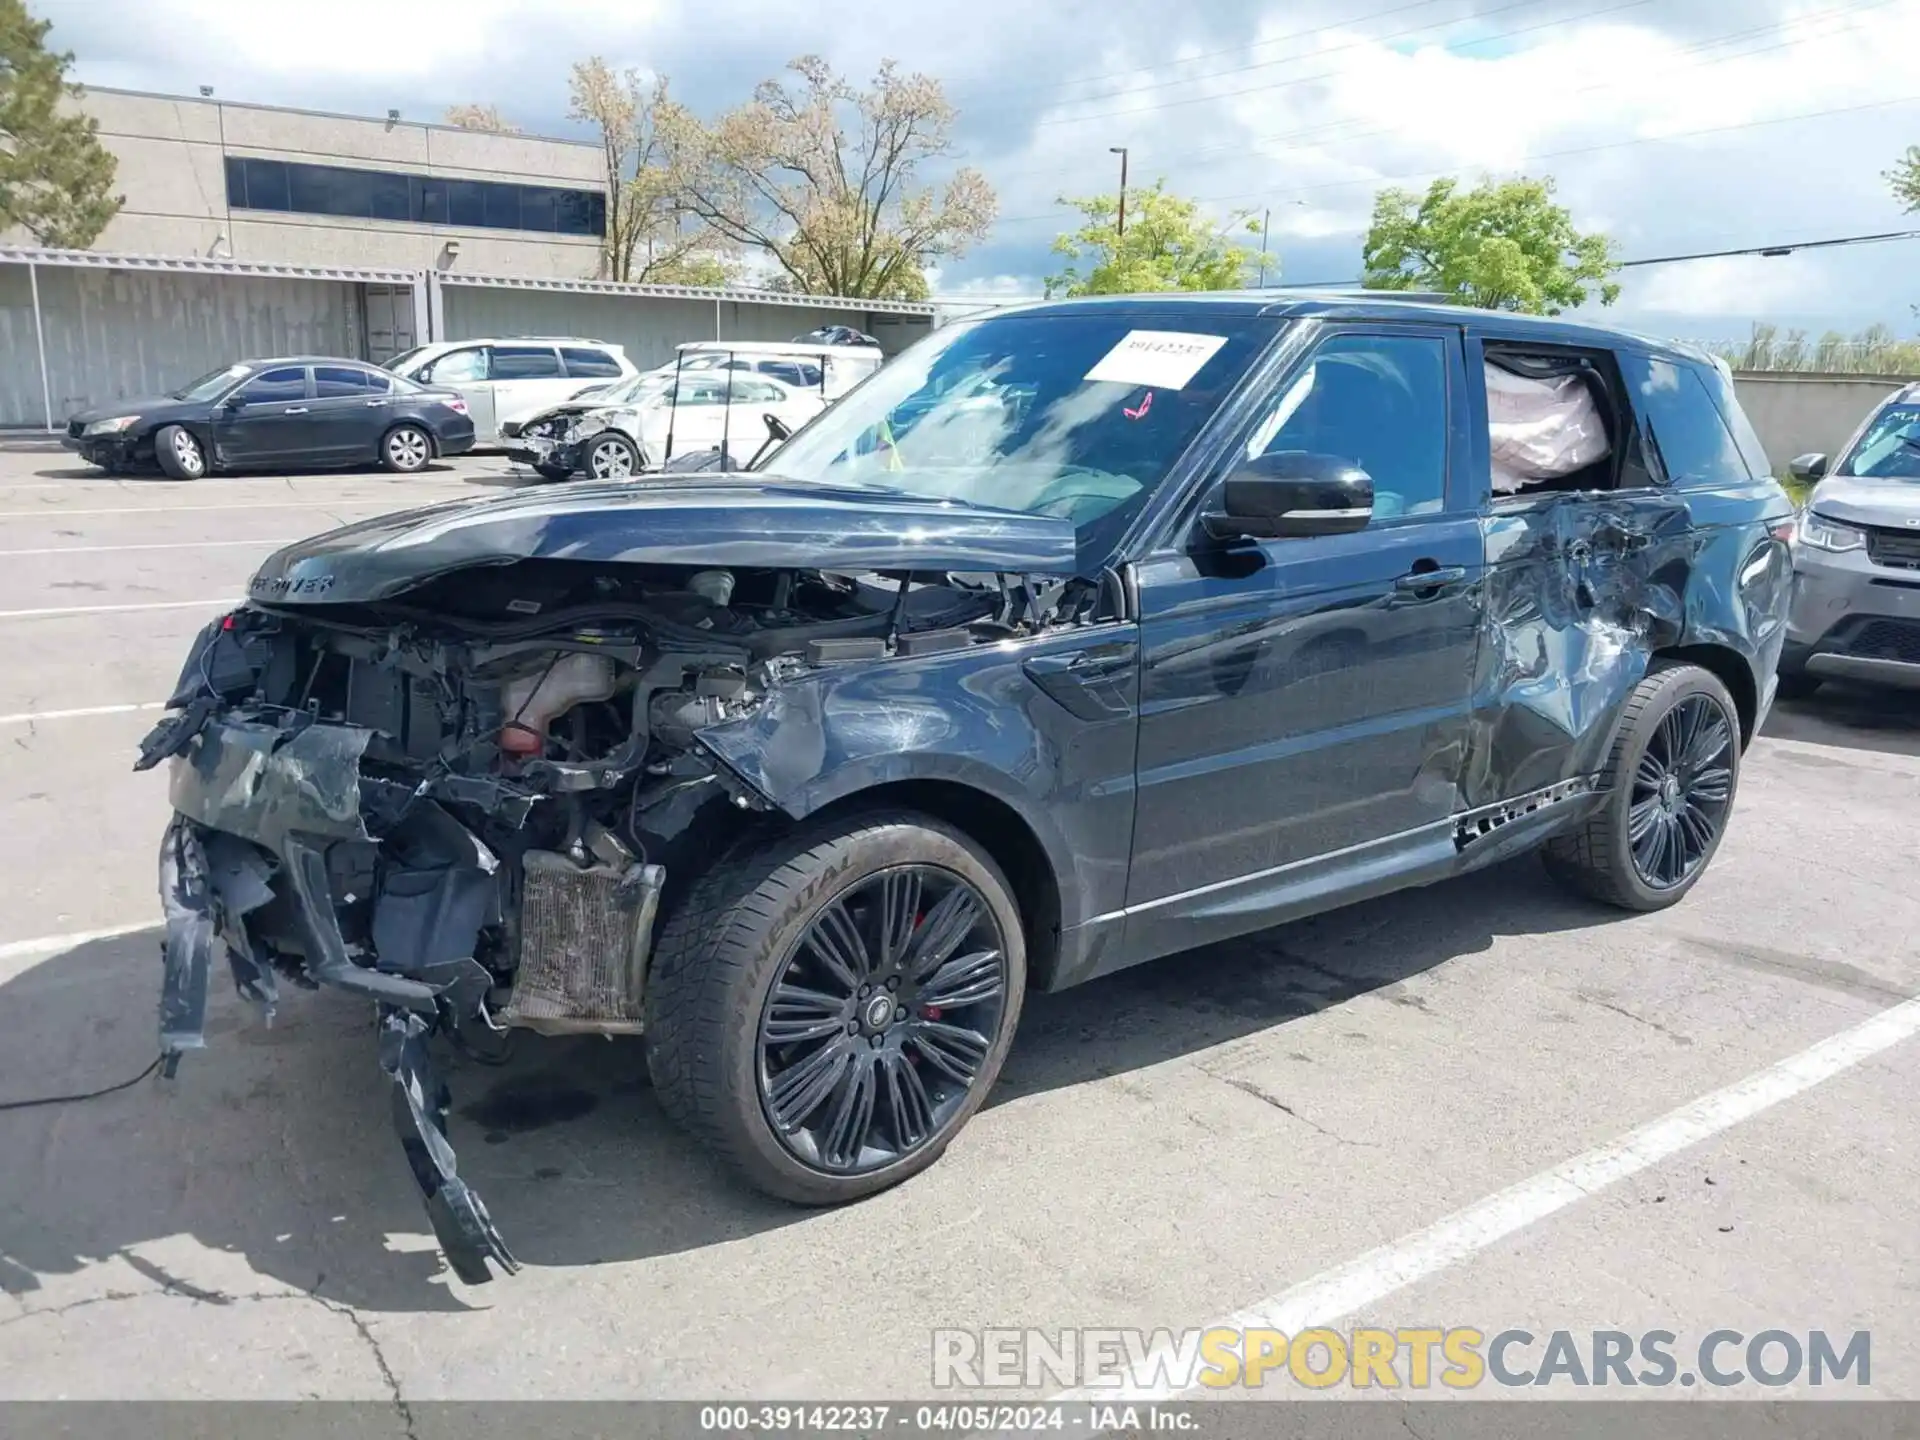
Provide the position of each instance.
(117, 333)
(111, 327)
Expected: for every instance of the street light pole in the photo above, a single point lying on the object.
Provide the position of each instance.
(1121, 151)
(1266, 217)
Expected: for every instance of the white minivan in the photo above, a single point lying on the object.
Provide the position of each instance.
(512, 378)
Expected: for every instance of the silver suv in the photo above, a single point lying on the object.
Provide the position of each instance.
(1856, 558)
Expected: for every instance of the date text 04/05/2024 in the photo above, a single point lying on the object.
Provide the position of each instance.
(959, 1419)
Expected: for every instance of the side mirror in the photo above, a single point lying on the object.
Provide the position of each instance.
(1292, 494)
(233, 401)
(777, 429)
(1807, 468)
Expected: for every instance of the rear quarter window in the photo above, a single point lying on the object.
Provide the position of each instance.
(1695, 446)
(1726, 396)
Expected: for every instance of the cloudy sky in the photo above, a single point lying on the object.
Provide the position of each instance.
(1673, 125)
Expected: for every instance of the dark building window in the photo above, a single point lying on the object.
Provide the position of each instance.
(424, 199)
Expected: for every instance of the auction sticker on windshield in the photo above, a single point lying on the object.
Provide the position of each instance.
(1164, 359)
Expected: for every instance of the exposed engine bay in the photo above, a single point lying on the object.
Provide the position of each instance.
(472, 801)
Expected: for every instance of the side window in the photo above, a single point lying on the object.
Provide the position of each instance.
(756, 392)
(378, 381)
(1752, 450)
(702, 392)
(1379, 401)
(331, 382)
(275, 387)
(457, 367)
(592, 364)
(1693, 442)
(525, 362)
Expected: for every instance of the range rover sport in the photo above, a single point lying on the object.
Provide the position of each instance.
(1077, 636)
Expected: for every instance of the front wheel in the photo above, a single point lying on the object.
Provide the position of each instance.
(179, 453)
(1669, 782)
(611, 456)
(827, 1010)
(406, 449)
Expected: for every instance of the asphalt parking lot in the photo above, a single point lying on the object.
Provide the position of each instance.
(1234, 1130)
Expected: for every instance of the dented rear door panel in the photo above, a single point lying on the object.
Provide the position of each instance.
(1584, 590)
(1580, 591)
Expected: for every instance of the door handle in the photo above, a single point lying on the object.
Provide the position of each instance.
(294, 410)
(1087, 665)
(1438, 578)
(380, 401)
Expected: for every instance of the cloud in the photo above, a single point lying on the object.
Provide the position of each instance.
(1674, 125)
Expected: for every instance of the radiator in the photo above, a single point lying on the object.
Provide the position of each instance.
(584, 939)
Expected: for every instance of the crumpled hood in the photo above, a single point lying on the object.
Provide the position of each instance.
(135, 405)
(725, 521)
(1864, 500)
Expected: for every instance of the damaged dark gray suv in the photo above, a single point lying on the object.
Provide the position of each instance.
(1076, 636)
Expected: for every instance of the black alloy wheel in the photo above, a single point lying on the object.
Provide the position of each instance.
(1665, 793)
(1682, 788)
(879, 1021)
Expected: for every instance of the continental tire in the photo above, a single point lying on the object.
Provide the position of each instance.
(829, 1007)
(1670, 783)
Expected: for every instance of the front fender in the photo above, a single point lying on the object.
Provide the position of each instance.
(970, 718)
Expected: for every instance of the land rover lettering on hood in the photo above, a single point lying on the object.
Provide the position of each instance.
(1072, 638)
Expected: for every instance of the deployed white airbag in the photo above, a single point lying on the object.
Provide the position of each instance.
(1540, 429)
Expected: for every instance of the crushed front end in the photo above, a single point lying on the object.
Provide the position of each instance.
(468, 803)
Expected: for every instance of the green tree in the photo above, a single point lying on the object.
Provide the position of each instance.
(1503, 245)
(56, 178)
(1168, 245)
(825, 180)
(651, 236)
(1904, 178)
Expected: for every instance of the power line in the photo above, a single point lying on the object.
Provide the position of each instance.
(1238, 149)
(1778, 249)
(1772, 250)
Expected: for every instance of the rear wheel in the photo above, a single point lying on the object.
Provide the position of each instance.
(406, 449)
(611, 456)
(179, 453)
(1670, 784)
(826, 1011)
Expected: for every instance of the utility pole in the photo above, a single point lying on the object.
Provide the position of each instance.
(1266, 216)
(1121, 151)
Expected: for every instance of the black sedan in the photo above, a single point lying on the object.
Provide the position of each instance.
(277, 414)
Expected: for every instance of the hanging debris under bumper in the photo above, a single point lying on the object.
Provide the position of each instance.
(269, 861)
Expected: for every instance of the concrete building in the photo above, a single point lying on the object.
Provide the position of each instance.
(250, 230)
(270, 186)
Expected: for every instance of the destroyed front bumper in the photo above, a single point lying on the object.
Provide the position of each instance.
(244, 873)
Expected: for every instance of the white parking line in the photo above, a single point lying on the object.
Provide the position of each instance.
(116, 609)
(30, 717)
(1346, 1289)
(52, 944)
(61, 512)
(109, 549)
(14, 952)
